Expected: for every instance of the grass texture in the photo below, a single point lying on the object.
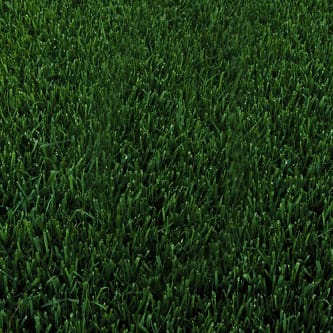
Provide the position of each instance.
(166, 166)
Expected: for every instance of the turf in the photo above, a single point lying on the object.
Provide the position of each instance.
(166, 166)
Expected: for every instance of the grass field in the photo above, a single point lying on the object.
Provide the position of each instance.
(166, 166)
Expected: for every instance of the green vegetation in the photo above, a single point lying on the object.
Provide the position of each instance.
(166, 166)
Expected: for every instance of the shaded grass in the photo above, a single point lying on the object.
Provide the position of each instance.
(166, 166)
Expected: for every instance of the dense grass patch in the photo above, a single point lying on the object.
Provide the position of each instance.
(166, 166)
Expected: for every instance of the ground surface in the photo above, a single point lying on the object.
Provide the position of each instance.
(166, 166)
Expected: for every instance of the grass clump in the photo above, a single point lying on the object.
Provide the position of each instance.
(166, 166)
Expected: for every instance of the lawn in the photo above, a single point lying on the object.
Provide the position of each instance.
(166, 166)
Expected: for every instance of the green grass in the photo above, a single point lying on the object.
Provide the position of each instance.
(166, 166)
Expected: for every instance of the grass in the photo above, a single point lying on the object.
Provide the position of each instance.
(166, 166)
